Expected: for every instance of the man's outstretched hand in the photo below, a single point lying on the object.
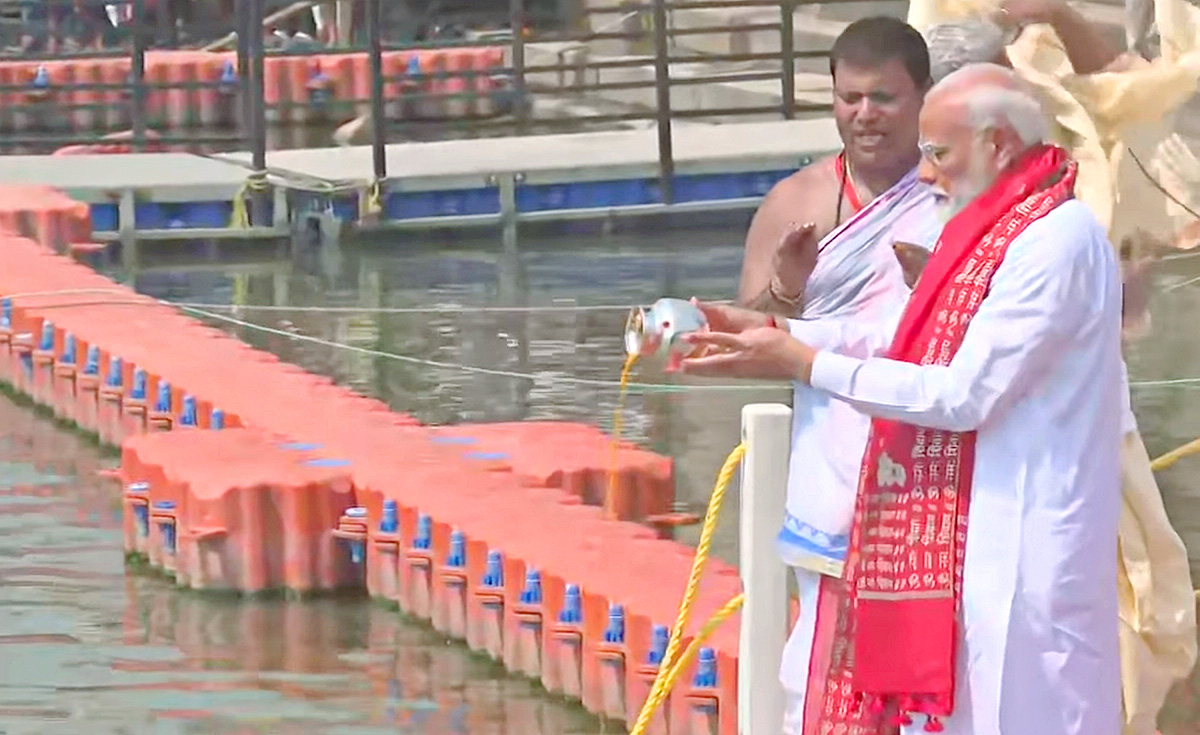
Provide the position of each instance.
(731, 319)
(763, 352)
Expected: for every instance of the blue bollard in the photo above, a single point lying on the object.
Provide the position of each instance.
(141, 511)
(457, 556)
(706, 669)
(318, 88)
(91, 364)
(187, 417)
(163, 403)
(390, 521)
(138, 393)
(615, 632)
(532, 594)
(659, 640)
(166, 527)
(116, 373)
(357, 547)
(229, 77)
(70, 350)
(572, 609)
(424, 537)
(217, 419)
(493, 573)
(6, 313)
(47, 342)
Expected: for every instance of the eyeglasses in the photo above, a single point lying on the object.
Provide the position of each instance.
(932, 151)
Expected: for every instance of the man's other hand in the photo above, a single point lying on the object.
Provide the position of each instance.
(794, 261)
(763, 353)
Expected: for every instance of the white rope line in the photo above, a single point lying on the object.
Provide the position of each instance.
(202, 310)
(565, 306)
(495, 372)
(1181, 284)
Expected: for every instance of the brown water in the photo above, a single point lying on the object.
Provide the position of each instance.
(86, 646)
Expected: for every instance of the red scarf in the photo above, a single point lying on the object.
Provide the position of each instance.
(894, 632)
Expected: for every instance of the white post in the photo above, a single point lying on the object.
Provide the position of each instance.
(767, 433)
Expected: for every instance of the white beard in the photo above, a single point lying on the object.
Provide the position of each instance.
(977, 181)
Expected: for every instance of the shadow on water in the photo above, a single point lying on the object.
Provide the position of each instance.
(88, 647)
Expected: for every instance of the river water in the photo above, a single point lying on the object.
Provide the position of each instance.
(87, 646)
(547, 318)
(82, 640)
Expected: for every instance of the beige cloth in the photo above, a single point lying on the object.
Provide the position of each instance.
(1155, 598)
(1097, 117)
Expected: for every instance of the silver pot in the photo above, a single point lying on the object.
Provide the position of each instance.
(656, 330)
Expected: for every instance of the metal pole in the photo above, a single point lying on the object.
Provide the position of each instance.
(767, 432)
(662, 90)
(378, 122)
(137, 112)
(242, 29)
(258, 115)
(787, 49)
(516, 21)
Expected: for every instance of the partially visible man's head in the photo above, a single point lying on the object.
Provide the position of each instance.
(975, 123)
(880, 70)
(955, 44)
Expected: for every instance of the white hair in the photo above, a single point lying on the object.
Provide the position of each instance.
(996, 97)
(956, 44)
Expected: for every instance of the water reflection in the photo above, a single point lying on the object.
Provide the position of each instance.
(87, 647)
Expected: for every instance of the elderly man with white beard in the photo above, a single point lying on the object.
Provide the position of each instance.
(979, 595)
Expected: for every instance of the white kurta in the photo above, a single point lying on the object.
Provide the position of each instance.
(1039, 376)
(856, 277)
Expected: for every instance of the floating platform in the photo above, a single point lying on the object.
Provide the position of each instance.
(440, 184)
(200, 89)
(243, 473)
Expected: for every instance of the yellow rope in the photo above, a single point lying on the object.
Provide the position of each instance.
(239, 217)
(670, 669)
(373, 204)
(1173, 456)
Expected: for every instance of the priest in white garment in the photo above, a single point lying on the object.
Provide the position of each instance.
(979, 595)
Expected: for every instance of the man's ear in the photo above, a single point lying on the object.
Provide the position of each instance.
(912, 259)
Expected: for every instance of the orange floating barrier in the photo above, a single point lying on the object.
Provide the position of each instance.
(190, 88)
(307, 486)
(234, 510)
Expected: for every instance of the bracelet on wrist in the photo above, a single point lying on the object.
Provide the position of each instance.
(776, 290)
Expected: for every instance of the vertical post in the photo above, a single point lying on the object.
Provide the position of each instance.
(137, 76)
(516, 21)
(766, 431)
(787, 56)
(378, 122)
(242, 28)
(258, 114)
(662, 94)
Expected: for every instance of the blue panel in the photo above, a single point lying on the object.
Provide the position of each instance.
(586, 195)
(717, 187)
(105, 217)
(150, 216)
(401, 205)
(203, 214)
(345, 209)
